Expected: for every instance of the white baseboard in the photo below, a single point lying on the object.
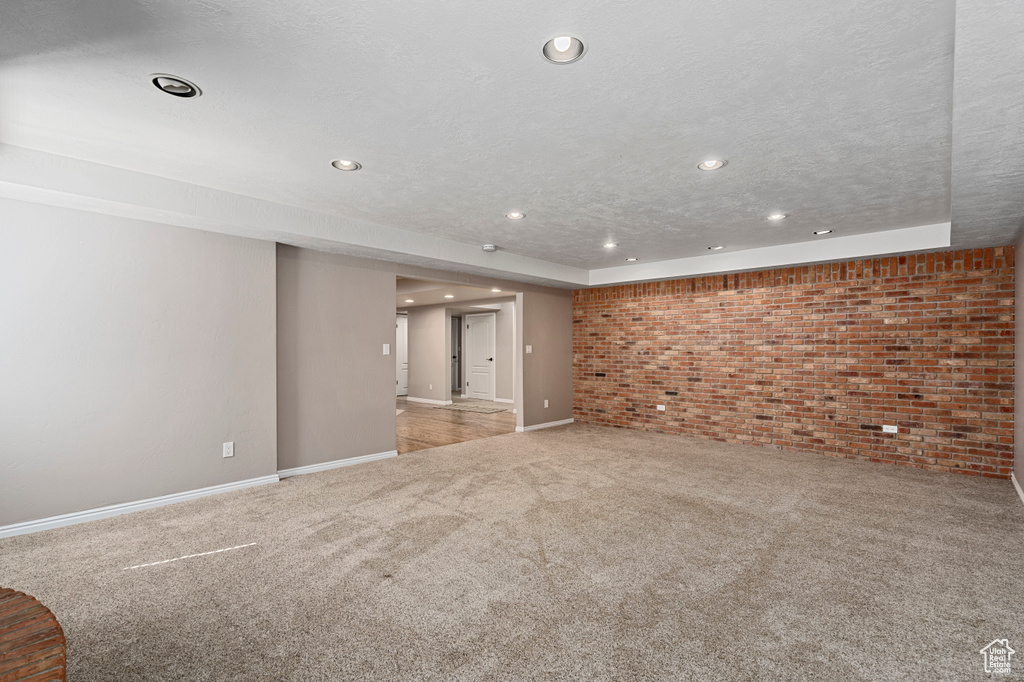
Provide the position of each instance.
(313, 468)
(1020, 493)
(548, 425)
(463, 396)
(428, 401)
(126, 507)
(503, 400)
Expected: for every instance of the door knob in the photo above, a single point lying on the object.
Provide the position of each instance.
(490, 359)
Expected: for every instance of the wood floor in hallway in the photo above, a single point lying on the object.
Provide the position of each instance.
(422, 426)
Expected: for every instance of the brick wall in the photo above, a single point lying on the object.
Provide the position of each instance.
(816, 357)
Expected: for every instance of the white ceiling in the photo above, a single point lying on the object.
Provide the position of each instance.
(424, 292)
(988, 123)
(845, 115)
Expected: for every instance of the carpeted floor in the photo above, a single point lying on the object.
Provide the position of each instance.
(570, 553)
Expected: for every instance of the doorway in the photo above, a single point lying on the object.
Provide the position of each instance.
(433, 376)
(457, 389)
(402, 355)
(480, 346)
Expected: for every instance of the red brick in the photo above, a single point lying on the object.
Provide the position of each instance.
(815, 358)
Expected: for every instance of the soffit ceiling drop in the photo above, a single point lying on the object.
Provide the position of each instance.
(839, 114)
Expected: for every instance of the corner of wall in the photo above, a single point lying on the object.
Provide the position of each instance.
(1018, 369)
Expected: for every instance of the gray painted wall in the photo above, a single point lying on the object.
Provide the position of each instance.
(505, 343)
(429, 347)
(336, 388)
(544, 321)
(1018, 370)
(129, 352)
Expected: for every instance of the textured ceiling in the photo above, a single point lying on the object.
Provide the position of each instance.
(839, 114)
(988, 123)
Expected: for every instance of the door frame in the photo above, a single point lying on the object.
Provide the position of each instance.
(468, 350)
(455, 347)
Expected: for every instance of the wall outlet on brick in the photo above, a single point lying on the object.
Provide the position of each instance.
(889, 428)
(661, 408)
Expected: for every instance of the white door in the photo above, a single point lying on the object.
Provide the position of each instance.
(479, 348)
(402, 355)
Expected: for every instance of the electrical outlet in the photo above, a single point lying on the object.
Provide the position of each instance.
(889, 428)
(529, 349)
(229, 449)
(545, 403)
(387, 349)
(431, 387)
(661, 408)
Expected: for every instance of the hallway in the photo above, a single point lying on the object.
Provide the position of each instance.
(421, 426)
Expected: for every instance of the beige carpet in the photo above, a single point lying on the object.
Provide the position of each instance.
(571, 553)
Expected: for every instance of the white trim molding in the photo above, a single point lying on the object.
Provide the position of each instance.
(503, 400)
(547, 425)
(1020, 493)
(126, 507)
(313, 468)
(428, 401)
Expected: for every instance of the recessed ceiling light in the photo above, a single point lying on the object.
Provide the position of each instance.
(497, 291)
(715, 248)
(346, 165)
(515, 215)
(173, 85)
(563, 49)
(449, 296)
(823, 232)
(632, 260)
(409, 300)
(775, 217)
(610, 245)
(713, 164)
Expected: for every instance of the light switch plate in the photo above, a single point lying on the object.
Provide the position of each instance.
(387, 349)
(529, 349)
